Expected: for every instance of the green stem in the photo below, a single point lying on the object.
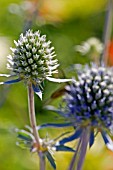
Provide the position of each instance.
(32, 118)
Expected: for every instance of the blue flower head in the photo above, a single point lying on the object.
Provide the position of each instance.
(88, 107)
(89, 102)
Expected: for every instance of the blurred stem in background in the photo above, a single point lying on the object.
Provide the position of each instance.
(107, 31)
(32, 14)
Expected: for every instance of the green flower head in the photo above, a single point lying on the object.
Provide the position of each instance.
(33, 58)
(33, 61)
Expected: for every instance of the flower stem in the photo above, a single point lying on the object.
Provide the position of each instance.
(84, 144)
(73, 161)
(32, 118)
(42, 161)
(107, 31)
(79, 156)
(32, 113)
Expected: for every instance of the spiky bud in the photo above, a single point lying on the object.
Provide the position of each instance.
(90, 99)
(33, 57)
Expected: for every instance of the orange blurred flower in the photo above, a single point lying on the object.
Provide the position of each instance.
(110, 53)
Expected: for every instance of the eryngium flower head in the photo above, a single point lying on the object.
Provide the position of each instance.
(33, 58)
(88, 107)
(33, 61)
(90, 99)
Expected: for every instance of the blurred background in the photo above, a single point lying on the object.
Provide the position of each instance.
(76, 31)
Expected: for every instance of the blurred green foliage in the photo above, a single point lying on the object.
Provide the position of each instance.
(79, 21)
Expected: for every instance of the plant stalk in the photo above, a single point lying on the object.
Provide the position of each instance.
(79, 156)
(32, 113)
(42, 161)
(83, 148)
(74, 159)
(33, 124)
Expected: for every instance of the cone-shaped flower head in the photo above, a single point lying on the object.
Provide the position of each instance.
(88, 104)
(90, 99)
(88, 107)
(33, 57)
(33, 61)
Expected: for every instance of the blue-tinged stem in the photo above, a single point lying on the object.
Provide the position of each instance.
(32, 118)
(83, 148)
(79, 156)
(73, 161)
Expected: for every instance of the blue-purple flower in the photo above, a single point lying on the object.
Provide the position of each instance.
(90, 99)
(88, 107)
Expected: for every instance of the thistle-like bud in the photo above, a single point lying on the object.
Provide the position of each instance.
(33, 61)
(90, 99)
(47, 146)
(33, 58)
